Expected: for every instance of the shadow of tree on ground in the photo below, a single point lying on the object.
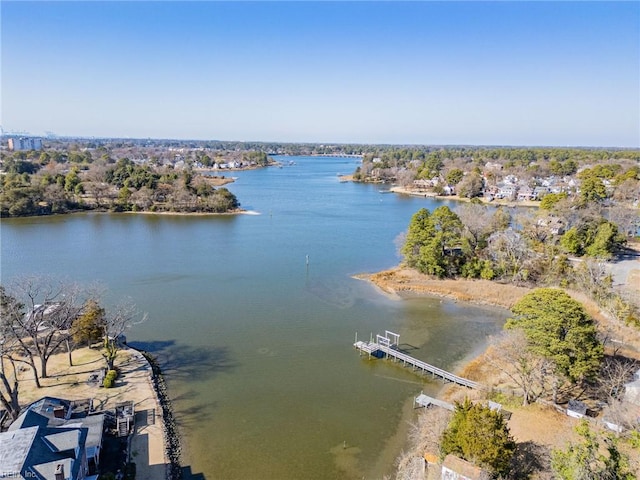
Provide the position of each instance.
(532, 460)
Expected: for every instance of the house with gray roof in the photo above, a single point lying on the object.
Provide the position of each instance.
(48, 442)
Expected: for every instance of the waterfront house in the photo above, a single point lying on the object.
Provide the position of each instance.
(423, 184)
(53, 439)
(507, 191)
(540, 192)
(455, 468)
(525, 193)
(47, 453)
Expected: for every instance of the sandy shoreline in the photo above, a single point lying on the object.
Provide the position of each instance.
(189, 214)
(400, 282)
(429, 194)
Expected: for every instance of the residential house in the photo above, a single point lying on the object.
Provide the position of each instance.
(421, 183)
(491, 191)
(559, 187)
(492, 166)
(53, 439)
(507, 191)
(525, 193)
(455, 468)
(540, 192)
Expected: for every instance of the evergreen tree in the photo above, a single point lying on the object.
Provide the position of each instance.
(89, 327)
(605, 241)
(479, 435)
(558, 328)
(434, 242)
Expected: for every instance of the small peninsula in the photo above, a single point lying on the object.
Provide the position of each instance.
(109, 176)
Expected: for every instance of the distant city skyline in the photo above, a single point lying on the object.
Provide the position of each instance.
(440, 73)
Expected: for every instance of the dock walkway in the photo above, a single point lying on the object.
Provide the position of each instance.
(423, 400)
(387, 346)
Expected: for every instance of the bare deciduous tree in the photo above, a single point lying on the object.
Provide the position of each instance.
(424, 437)
(143, 198)
(9, 387)
(511, 355)
(116, 322)
(621, 414)
(405, 177)
(509, 250)
(614, 373)
(40, 318)
(476, 218)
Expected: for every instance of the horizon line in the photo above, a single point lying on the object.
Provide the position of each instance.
(324, 143)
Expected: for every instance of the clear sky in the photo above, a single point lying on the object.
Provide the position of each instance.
(491, 73)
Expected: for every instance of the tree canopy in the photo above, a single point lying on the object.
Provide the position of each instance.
(434, 242)
(479, 435)
(89, 326)
(558, 328)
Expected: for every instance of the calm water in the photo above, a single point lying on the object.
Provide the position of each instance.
(257, 345)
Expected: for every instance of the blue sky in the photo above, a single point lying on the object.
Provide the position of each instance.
(489, 73)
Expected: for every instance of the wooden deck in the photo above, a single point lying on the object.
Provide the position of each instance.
(383, 346)
(423, 400)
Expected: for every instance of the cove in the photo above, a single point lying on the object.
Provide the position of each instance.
(256, 344)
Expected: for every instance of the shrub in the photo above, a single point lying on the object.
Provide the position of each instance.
(110, 379)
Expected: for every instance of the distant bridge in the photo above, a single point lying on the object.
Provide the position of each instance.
(387, 346)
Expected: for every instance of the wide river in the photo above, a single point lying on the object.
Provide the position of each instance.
(256, 343)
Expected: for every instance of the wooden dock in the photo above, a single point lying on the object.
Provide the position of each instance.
(387, 346)
(423, 400)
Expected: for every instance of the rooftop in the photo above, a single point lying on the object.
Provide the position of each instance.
(14, 449)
